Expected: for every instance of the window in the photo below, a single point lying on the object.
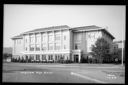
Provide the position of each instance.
(31, 57)
(64, 37)
(37, 57)
(50, 46)
(50, 57)
(57, 46)
(56, 57)
(43, 46)
(26, 40)
(59, 57)
(31, 47)
(50, 38)
(43, 57)
(64, 46)
(38, 39)
(37, 47)
(31, 39)
(57, 37)
(77, 46)
(43, 38)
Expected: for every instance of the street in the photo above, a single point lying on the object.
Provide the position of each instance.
(63, 73)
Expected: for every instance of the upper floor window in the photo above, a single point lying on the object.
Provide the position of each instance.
(50, 46)
(43, 46)
(64, 37)
(77, 46)
(91, 35)
(64, 46)
(31, 39)
(50, 38)
(38, 39)
(31, 47)
(57, 46)
(26, 40)
(44, 38)
(57, 37)
(37, 47)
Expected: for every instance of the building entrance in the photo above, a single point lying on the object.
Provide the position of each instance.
(76, 58)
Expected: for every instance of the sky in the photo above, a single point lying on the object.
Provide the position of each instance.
(22, 18)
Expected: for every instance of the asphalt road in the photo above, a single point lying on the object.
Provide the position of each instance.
(59, 73)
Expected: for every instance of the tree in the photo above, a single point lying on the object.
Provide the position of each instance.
(100, 49)
(117, 54)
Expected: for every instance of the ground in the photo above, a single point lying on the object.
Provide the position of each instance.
(63, 73)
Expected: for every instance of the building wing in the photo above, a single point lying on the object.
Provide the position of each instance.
(92, 28)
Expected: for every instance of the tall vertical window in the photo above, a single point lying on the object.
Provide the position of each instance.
(31, 57)
(56, 57)
(31, 47)
(57, 37)
(50, 57)
(57, 46)
(64, 46)
(64, 37)
(26, 40)
(44, 46)
(50, 38)
(50, 46)
(31, 39)
(44, 38)
(37, 47)
(77, 46)
(43, 57)
(37, 57)
(38, 39)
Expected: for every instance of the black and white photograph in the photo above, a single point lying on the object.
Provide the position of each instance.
(45, 43)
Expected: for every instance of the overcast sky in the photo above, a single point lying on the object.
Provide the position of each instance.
(21, 18)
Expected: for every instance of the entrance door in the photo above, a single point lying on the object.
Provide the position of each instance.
(76, 58)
